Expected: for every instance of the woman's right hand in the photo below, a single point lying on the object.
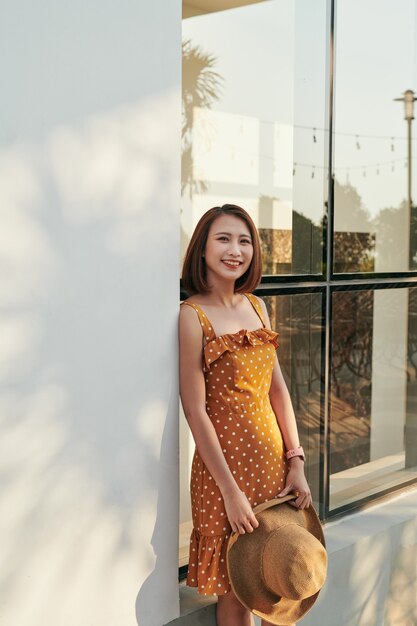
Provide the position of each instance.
(239, 512)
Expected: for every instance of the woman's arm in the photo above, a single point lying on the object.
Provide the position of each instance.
(193, 398)
(283, 409)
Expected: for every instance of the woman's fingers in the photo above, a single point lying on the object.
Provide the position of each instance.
(285, 491)
(251, 524)
(253, 520)
(303, 501)
(247, 525)
(240, 514)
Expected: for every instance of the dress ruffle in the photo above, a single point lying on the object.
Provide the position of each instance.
(231, 342)
(208, 562)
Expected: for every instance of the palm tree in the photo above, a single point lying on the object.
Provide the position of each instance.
(200, 87)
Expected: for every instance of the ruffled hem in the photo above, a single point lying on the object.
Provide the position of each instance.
(207, 568)
(231, 342)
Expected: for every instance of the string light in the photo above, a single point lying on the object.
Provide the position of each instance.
(342, 133)
(348, 168)
(253, 156)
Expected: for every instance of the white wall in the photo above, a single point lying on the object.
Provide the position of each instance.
(89, 262)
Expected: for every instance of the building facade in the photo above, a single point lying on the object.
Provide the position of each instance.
(122, 124)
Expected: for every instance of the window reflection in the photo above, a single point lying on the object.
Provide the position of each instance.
(247, 134)
(375, 230)
(298, 319)
(373, 418)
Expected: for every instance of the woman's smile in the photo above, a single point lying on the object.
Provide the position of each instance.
(232, 264)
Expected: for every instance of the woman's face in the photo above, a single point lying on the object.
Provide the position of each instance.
(229, 248)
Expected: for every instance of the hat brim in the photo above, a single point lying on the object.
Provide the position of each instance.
(244, 562)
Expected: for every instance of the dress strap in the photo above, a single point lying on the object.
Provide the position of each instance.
(255, 303)
(207, 327)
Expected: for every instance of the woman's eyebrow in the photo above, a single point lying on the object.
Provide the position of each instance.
(230, 234)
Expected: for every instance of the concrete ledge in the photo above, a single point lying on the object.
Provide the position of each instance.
(195, 609)
(372, 575)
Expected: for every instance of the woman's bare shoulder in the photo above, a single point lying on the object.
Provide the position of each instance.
(261, 301)
(264, 310)
(189, 324)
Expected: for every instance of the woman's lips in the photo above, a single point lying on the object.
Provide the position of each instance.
(232, 264)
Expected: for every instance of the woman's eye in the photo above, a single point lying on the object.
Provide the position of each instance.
(224, 238)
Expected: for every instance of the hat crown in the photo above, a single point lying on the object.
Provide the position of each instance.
(294, 562)
(257, 562)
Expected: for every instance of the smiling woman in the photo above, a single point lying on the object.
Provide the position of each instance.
(235, 400)
(225, 238)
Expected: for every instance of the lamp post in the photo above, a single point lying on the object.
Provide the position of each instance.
(410, 431)
(408, 99)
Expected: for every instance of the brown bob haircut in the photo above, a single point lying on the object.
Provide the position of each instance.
(194, 276)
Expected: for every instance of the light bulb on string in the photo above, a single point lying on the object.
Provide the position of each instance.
(358, 145)
(314, 136)
(312, 172)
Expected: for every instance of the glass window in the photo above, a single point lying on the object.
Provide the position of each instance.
(373, 417)
(299, 320)
(253, 124)
(375, 64)
(255, 130)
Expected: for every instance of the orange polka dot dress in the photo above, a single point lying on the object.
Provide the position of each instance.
(237, 369)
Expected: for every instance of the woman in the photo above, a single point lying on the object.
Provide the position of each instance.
(234, 398)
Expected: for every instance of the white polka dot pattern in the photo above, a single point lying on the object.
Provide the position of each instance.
(238, 370)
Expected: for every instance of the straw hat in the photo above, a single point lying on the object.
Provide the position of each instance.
(278, 570)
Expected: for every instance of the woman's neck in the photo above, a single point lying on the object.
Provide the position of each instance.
(224, 298)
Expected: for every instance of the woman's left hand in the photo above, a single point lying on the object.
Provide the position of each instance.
(296, 482)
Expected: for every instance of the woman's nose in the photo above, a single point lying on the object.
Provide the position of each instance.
(234, 248)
